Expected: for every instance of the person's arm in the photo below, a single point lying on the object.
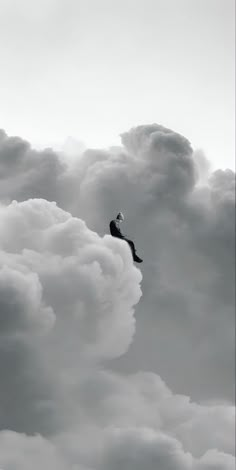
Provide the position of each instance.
(119, 233)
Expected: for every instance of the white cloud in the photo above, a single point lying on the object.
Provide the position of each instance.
(89, 282)
(60, 277)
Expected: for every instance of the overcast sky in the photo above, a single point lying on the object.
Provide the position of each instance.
(92, 69)
(105, 364)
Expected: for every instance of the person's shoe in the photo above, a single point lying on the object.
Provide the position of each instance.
(137, 259)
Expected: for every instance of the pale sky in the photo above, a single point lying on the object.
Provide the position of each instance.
(92, 69)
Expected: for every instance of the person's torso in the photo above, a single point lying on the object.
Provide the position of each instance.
(115, 229)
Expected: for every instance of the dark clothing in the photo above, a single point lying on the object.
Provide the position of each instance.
(132, 247)
(115, 229)
(116, 232)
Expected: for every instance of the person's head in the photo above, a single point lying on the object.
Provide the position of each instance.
(120, 217)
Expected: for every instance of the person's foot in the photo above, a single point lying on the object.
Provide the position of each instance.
(137, 259)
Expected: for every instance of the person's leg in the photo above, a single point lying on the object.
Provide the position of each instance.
(131, 245)
(133, 249)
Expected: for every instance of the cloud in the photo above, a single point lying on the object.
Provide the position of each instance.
(26, 173)
(89, 279)
(137, 449)
(130, 422)
(78, 337)
(214, 460)
(183, 226)
(21, 452)
(128, 448)
(143, 400)
(60, 279)
(20, 303)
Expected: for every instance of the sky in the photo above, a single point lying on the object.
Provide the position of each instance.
(89, 70)
(106, 364)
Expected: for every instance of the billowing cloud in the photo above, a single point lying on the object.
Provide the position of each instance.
(25, 172)
(70, 288)
(184, 229)
(136, 449)
(77, 333)
(144, 400)
(89, 282)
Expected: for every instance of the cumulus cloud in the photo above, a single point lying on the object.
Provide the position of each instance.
(60, 279)
(76, 331)
(136, 449)
(89, 282)
(184, 228)
(25, 172)
(143, 448)
(143, 400)
(130, 422)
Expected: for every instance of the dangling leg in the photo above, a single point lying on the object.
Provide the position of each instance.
(133, 249)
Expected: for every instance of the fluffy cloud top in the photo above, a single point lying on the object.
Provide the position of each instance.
(55, 267)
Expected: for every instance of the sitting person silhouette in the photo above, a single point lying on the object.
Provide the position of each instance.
(116, 232)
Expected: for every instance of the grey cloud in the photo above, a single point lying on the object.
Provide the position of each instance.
(25, 172)
(21, 452)
(67, 308)
(144, 400)
(184, 229)
(214, 460)
(185, 233)
(28, 399)
(154, 178)
(145, 138)
(20, 303)
(125, 448)
(170, 167)
(24, 318)
(135, 449)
